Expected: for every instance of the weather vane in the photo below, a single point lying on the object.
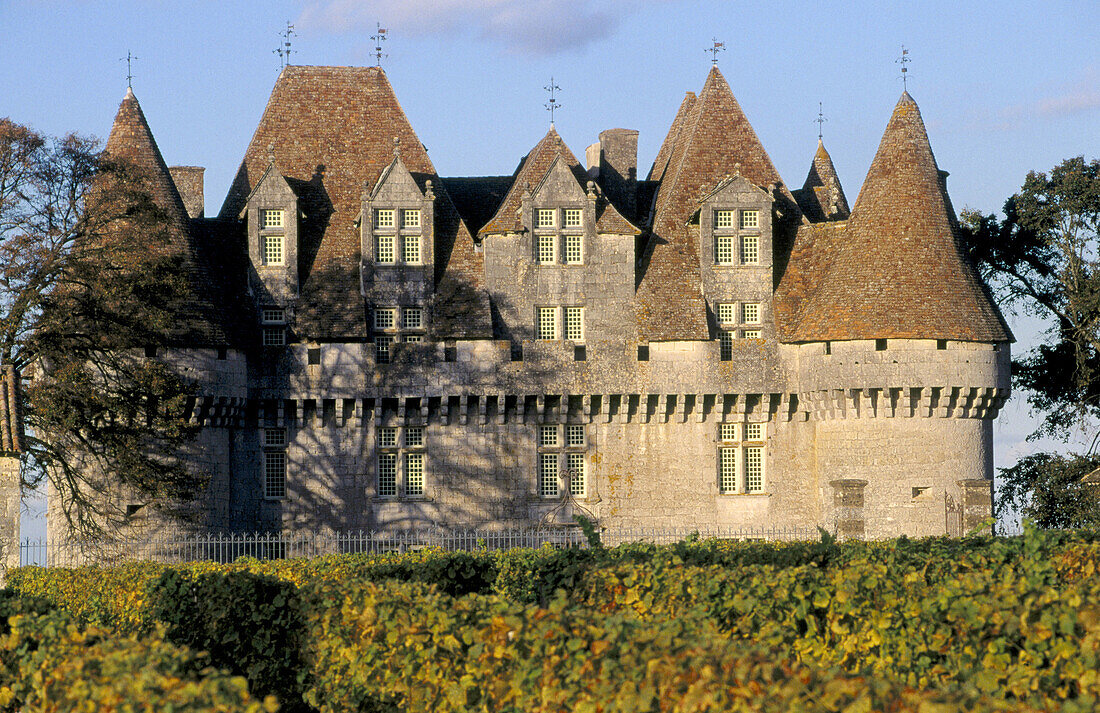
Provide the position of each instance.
(904, 60)
(552, 105)
(284, 51)
(128, 59)
(819, 120)
(379, 37)
(718, 47)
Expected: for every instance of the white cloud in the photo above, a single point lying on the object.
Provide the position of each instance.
(1080, 97)
(523, 26)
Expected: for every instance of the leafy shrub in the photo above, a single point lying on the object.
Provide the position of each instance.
(49, 663)
(248, 623)
(407, 647)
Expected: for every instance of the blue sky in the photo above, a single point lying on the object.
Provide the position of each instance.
(1004, 87)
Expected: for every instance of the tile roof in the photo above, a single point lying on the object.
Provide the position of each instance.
(477, 198)
(532, 170)
(896, 270)
(710, 139)
(131, 140)
(822, 190)
(333, 129)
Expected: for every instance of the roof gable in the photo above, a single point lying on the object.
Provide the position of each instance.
(334, 128)
(711, 139)
(558, 178)
(395, 181)
(899, 271)
(822, 197)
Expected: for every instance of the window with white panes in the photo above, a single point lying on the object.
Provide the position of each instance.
(549, 485)
(725, 345)
(414, 436)
(750, 219)
(741, 457)
(274, 474)
(727, 312)
(270, 219)
(572, 218)
(546, 251)
(414, 474)
(750, 249)
(723, 250)
(548, 436)
(412, 338)
(544, 218)
(387, 475)
(274, 336)
(411, 245)
(574, 436)
(578, 478)
(273, 249)
(384, 249)
(750, 334)
(750, 312)
(723, 219)
(573, 250)
(383, 344)
(385, 318)
(574, 324)
(387, 437)
(274, 437)
(273, 315)
(384, 218)
(412, 318)
(546, 327)
(410, 218)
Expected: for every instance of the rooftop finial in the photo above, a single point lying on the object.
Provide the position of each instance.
(271, 152)
(284, 51)
(718, 47)
(552, 105)
(820, 120)
(396, 146)
(128, 59)
(904, 60)
(379, 37)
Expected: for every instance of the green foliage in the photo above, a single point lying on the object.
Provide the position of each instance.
(1044, 258)
(1047, 489)
(248, 623)
(408, 647)
(49, 663)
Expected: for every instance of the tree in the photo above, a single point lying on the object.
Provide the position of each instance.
(1044, 258)
(88, 284)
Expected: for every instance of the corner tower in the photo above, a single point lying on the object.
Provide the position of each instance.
(898, 354)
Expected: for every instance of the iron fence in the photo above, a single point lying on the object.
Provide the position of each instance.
(227, 547)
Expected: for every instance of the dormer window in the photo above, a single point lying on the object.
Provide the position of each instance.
(410, 218)
(385, 318)
(545, 218)
(273, 248)
(412, 248)
(572, 218)
(573, 252)
(384, 249)
(750, 220)
(384, 218)
(412, 318)
(546, 252)
(750, 249)
(723, 219)
(723, 250)
(750, 312)
(271, 219)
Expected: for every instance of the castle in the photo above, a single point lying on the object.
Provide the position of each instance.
(380, 347)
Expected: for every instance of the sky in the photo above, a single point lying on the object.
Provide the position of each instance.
(1004, 87)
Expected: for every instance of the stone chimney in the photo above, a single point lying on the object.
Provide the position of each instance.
(619, 169)
(592, 160)
(188, 180)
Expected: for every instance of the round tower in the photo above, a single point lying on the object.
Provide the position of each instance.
(899, 356)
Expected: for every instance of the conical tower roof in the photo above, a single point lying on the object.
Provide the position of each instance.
(332, 131)
(822, 197)
(132, 141)
(899, 272)
(710, 140)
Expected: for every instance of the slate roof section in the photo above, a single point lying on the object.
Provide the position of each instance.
(333, 129)
(821, 196)
(531, 171)
(897, 270)
(131, 140)
(708, 139)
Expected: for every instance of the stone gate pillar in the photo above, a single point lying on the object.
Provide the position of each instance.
(848, 508)
(976, 496)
